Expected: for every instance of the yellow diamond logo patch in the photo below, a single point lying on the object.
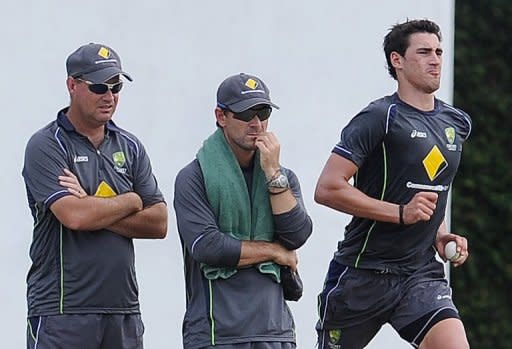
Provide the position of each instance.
(104, 52)
(434, 163)
(251, 83)
(104, 190)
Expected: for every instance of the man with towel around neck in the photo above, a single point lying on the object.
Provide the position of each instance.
(240, 218)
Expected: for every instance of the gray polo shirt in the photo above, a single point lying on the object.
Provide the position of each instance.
(249, 306)
(400, 151)
(77, 272)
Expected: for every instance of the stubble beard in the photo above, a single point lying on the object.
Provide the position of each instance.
(432, 87)
(249, 146)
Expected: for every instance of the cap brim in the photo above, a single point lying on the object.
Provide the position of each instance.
(105, 74)
(249, 103)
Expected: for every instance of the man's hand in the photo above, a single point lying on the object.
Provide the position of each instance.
(70, 181)
(462, 247)
(286, 257)
(269, 147)
(254, 252)
(420, 208)
(80, 211)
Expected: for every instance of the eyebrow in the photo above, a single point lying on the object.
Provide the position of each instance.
(429, 49)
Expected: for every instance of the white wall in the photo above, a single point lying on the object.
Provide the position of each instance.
(323, 62)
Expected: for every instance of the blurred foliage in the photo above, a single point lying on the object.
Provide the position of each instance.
(482, 191)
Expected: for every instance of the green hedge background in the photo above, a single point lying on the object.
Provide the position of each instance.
(482, 191)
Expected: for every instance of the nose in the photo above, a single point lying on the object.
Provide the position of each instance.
(108, 95)
(436, 59)
(255, 121)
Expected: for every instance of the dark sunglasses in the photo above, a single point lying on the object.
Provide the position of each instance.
(261, 111)
(102, 88)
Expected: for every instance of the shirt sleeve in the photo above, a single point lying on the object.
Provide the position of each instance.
(465, 124)
(144, 182)
(293, 228)
(45, 160)
(197, 225)
(363, 133)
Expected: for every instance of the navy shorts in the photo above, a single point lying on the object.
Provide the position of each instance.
(255, 345)
(85, 331)
(355, 303)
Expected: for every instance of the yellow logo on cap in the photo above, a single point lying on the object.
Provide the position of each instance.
(434, 163)
(104, 52)
(251, 83)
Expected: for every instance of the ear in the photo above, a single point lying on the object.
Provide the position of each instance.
(71, 84)
(220, 116)
(396, 60)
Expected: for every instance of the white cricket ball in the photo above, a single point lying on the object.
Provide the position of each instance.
(450, 251)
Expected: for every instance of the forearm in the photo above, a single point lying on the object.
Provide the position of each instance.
(292, 225)
(93, 213)
(150, 223)
(443, 230)
(253, 252)
(442, 236)
(334, 190)
(350, 200)
(281, 201)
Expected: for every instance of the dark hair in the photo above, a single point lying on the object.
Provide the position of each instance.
(397, 40)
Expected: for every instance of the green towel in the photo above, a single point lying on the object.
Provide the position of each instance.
(228, 195)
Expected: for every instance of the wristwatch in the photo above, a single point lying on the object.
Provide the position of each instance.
(280, 181)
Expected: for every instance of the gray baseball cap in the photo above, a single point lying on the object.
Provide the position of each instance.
(241, 92)
(95, 62)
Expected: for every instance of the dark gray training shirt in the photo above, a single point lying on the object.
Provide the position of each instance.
(400, 151)
(76, 272)
(247, 307)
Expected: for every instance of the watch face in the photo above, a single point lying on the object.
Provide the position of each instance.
(280, 182)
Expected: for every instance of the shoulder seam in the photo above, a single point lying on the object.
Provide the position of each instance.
(461, 113)
(388, 116)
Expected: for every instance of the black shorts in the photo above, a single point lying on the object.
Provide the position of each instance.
(255, 345)
(85, 331)
(355, 303)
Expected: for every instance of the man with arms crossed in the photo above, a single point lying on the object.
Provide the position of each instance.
(240, 217)
(402, 152)
(91, 190)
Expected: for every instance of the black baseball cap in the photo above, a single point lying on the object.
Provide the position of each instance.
(95, 62)
(241, 92)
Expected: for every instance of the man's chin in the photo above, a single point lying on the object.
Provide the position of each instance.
(250, 146)
(431, 89)
(106, 112)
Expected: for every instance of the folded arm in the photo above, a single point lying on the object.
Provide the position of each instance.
(201, 236)
(254, 252)
(94, 213)
(149, 223)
